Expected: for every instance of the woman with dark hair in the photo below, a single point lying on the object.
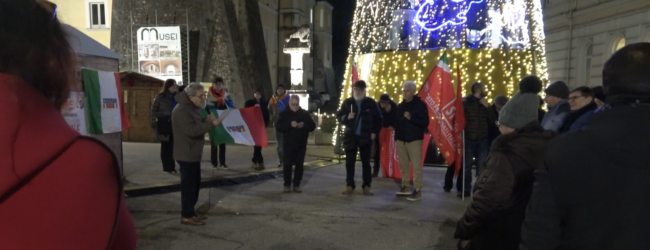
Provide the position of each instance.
(161, 122)
(58, 190)
(258, 100)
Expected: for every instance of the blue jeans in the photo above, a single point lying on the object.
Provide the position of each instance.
(474, 149)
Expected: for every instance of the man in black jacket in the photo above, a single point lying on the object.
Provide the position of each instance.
(590, 193)
(362, 120)
(388, 113)
(258, 101)
(478, 117)
(295, 124)
(410, 126)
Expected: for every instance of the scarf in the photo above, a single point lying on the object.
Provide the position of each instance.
(282, 101)
(218, 96)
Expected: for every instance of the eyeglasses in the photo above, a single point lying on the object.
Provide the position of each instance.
(200, 96)
(48, 6)
(294, 104)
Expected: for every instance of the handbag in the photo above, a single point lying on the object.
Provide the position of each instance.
(164, 125)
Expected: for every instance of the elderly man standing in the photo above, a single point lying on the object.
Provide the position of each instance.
(362, 120)
(189, 129)
(295, 124)
(410, 126)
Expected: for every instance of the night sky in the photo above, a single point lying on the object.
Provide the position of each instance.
(342, 24)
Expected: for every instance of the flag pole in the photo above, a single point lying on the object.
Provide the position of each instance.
(464, 169)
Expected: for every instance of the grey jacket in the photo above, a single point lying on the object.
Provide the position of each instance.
(555, 117)
(161, 107)
(189, 130)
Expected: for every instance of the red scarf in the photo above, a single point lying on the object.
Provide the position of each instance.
(277, 99)
(219, 96)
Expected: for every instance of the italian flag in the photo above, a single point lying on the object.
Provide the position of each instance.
(106, 114)
(239, 126)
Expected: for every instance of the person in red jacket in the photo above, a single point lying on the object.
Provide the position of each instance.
(58, 190)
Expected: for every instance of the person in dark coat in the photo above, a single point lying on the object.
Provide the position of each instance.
(499, 102)
(388, 112)
(258, 101)
(362, 120)
(591, 193)
(161, 122)
(478, 117)
(556, 97)
(295, 124)
(581, 101)
(493, 219)
(411, 124)
(190, 128)
(218, 98)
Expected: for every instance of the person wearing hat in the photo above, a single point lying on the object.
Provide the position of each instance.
(502, 191)
(278, 103)
(218, 99)
(388, 112)
(599, 173)
(362, 120)
(258, 101)
(557, 95)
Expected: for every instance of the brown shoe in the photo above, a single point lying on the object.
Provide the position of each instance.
(254, 166)
(297, 190)
(348, 190)
(366, 191)
(259, 167)
(201, 217)
(287, 189)
(404, 191)
(192, 221)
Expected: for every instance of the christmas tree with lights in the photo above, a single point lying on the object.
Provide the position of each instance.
(495, 42)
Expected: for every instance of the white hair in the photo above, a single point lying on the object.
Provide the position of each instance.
(409, 83)
(193, 88)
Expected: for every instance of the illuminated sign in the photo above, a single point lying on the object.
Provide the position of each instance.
(431, 17)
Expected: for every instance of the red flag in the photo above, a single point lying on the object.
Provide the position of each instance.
(388, 158)
(438, 93)
(459, 122)
(355, 73)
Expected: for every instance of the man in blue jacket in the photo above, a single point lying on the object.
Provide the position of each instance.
(362, 120)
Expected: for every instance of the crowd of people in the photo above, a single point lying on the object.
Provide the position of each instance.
(571, 178)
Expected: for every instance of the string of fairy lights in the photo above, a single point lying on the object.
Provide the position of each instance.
(397, 40)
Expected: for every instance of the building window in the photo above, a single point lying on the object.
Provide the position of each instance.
(619, 44)
(589, 56)
(97, 11)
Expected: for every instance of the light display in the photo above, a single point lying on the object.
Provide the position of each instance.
(495, 42)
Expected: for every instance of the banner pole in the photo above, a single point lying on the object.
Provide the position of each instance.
(464, 169)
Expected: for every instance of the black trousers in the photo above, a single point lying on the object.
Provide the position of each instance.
(377, 160)
(190, 185)
(449, 178)
(257, 155)
(351, 160)
(167, 154)
(295, 156)
(218, 154)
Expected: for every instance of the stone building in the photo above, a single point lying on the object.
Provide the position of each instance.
(280, 19)
(582, 34)
(240, 40)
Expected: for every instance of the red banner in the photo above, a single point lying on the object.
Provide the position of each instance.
(438, 93)
(388, 154)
